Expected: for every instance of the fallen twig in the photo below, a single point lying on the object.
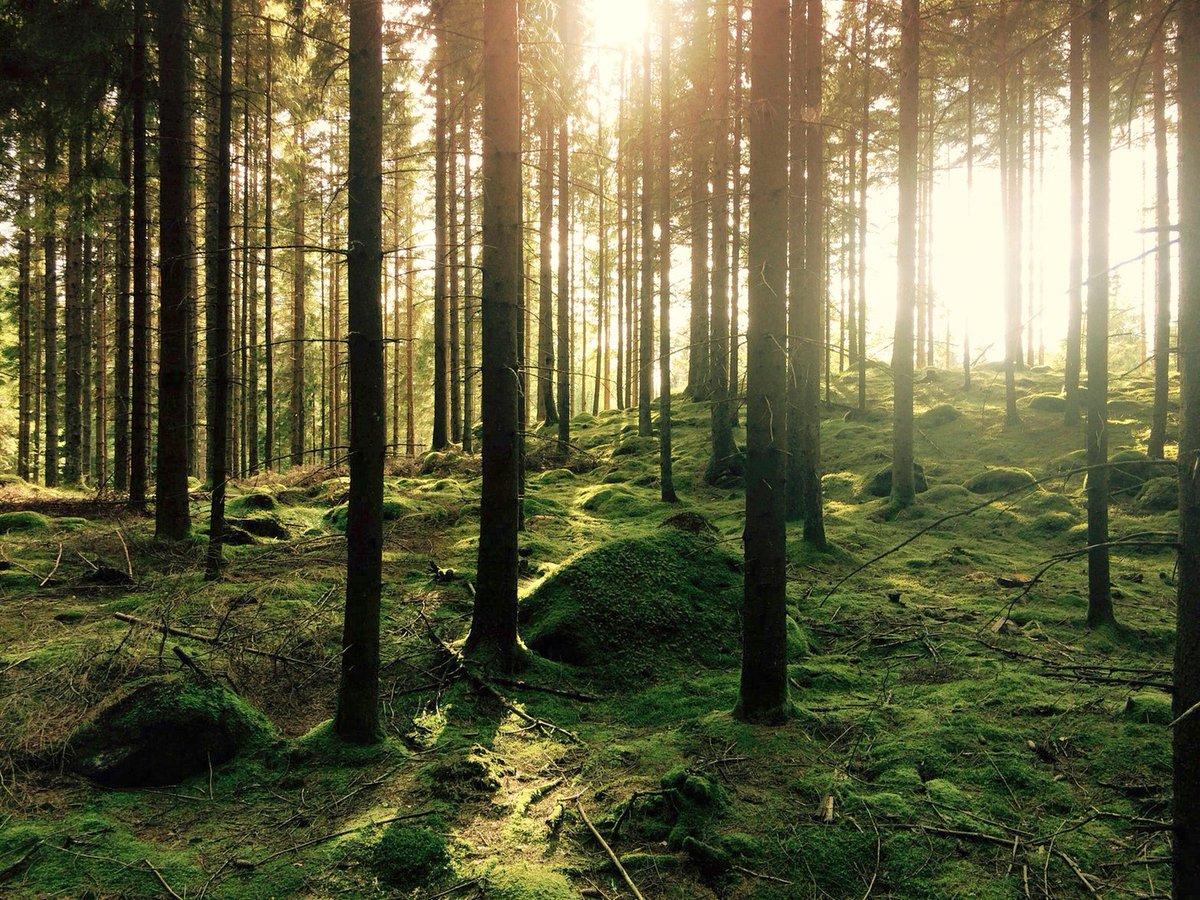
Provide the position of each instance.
(337, 834)
(609, 850)
(212, 641)
(157, 874)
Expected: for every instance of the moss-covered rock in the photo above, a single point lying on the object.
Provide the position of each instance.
(23, 522)
(527, 881)
(1130, 469)
(936, 416)
(635, 445)
(267, 526)
(1148, 708)
(1047, 403)
(1158, 495)
(999, 480)
(635, 606)
(880, 484)
(162, 730)
(407, 857)
(253, 502)
(618, 502)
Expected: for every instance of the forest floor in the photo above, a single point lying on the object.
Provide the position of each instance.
(958, 732)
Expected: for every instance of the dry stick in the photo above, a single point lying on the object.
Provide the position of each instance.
(1190, 711)
(157, 874)
(128, 561)
(213, 642)
(609, 850)
(337, 834)
(1077, 470)
(57, 560)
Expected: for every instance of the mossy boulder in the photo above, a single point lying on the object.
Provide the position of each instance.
(267, 526)
(1158, 495)
(936, 416)
(1047, 403)
(253, 502)
(617, 501)
(880, 484)
(407, 857)
(23, 522)
(1148, 708)
(162, 730)
(999, 480)
(1130, 469)
(527, 881)
(691, 522)
(335, 518)
(636, 607)
(635, 445)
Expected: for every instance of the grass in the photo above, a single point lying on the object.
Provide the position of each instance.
(914, 717)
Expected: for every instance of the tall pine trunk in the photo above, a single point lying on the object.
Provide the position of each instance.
(666, 480)
(441, 312)
(563, 325)
(50, 301)
(171, 514)
(357, 718)
(493, 634)
(1100, 610)
(1075, 259)
(268, 255)
(763, 693)
(140, 401)
(73, 380)
(646, 299)
(24, 329)
(121, 313)
(299, 289)
(547, 409)
(1162, 238)
(699, 212)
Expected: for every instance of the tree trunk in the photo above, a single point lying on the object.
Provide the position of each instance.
(493, 634)
(50, 302)
(357, 718)
(218, 300)
(798, 283)
(468, 301)
(903, 482)
(1186, 733)
(1010, 201)
(73, 380)
(299, 288)
(864, 146)
(171, 512)
(410, 423)
(735, 285)
(763, 694)
(564, 285)
(454, 236)
(722, 461)
(698, 209)
(139, 412)
(1100, 610)
(121, 314)
(547, 410)
(268, 256)
(646, 335)
(24, 329)
(666, 480)
(1162, 259)
(441, 312)
(1075, 261)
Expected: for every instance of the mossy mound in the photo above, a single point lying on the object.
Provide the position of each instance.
(161, 730)
(1048, 403)
(999, 480)
(267, 526)
(1158, 495)
(691, 522)
(942, 414)
(407, 857)
(335, 518)
(635, 445)
(634, 606)
(1148, 708)
(880, 484)
(1130, 469)
(617, 501)
(527, 881)
(255, 501)
(23, 522)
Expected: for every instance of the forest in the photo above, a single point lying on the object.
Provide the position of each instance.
(543, 449)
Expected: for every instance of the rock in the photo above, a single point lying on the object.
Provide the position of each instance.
(1049, 403)
(1158, 495)
(942, 414)
(162, 730)
(880, 484)
(261, 526)
(1130, 469)
(691, 522)
(999, 480)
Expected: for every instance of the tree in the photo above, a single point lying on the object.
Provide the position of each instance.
(722, 461)
(1100, 610)
(493, 632)
(698, 209)
(139, 424)
(547, 408)
(171, 513)
(1186, 733)
(217, 300)
(357, 718)
(441, 311)
(299, 288)
(666, 481)
(566, 36)
(121, 314)
(268, 253)
(903, 482)
(646, 299)
(763, 693)
(1162, 235)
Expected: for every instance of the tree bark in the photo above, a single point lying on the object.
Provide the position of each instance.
(666, 479)
(493, 634)
(139, 425)
(299, 289)
(1186, 733)
(903, 482)
(441, 312)
(468, 301)
(121, 315)
(1075, 260)
(268, 255)
(171, 513)
(699, 212)
(1100, 610)
(454, 236)
(357, 718)
(1162, 234)
(763, 693)
(24, 329)
(646, 335)
(73, 319)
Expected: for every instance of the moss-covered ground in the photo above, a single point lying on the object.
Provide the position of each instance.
(957, 733)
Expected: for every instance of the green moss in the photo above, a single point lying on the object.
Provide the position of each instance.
(23, 522)
(1130, 469)
(408, 857)
(1158, 495)
(1148, 708)
(253, 502)
(880, 484)
(1047, 403)
(527, 881)
(634, 606)
(999, 480)
(635, 445)
(618, 502)
(936, 416)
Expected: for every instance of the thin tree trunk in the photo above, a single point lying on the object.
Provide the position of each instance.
(441, 312)
(100, 374)
(171, 512)
(268, 255)
(666, 480)
(410, 423)
(1162, 259)
(73, 313)
(699, 212)
(564, 285)
(50, 301)
(493, 634)
(121, 315)
(864, 146)
(1075, 261)
(798, 283)
(1010, 209)
(763, 694)
(299, 288)
(646, 336)
(735, 267)
(24, 329)
(1100, 610)
(903, 480)
(357, 718)
(622, 238)
(547, 409)
(139, 421)
(454, 237)
(218, 302)
(468, 301)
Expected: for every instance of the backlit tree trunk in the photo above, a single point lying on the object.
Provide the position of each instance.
(646, 298)
(140, 401)
(1162, 239)
(546, 406)
(666, 480)
(1075, 261)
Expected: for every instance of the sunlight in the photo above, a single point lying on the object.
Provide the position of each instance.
(618, 23)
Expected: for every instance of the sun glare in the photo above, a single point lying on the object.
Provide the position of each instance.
(618, 23)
